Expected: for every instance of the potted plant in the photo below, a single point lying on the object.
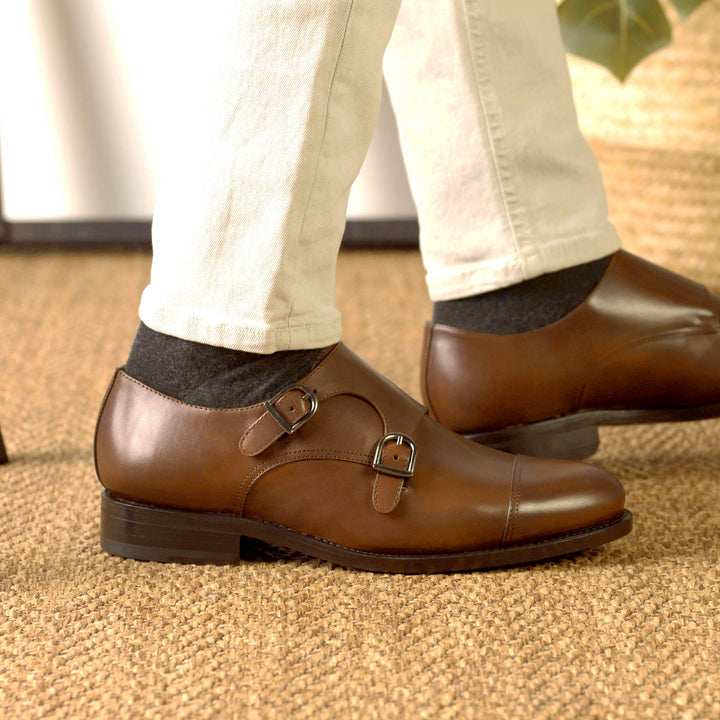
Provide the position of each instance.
(656, 135)
(618, 33)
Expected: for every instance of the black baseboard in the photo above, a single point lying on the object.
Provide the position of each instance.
(135, 234)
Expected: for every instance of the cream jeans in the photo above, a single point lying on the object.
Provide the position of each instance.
(279, 117)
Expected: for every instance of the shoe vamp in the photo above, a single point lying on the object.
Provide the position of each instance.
(457, 499)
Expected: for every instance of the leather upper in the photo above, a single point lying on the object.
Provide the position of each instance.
(644, 338)
(422, 489)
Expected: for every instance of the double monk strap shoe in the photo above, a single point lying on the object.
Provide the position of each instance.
(341, 466)
(644, 347)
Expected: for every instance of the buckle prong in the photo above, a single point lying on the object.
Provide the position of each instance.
(290, 428)
(399, 439)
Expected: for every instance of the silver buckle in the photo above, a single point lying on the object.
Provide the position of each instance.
(399, 439)
(281, 421)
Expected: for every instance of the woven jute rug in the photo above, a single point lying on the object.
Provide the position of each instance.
(631, 630)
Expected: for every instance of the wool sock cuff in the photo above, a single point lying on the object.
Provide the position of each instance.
(213, 376)
(526, 306)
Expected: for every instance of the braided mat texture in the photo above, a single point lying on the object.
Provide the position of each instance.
(657, 139)
(631, 630)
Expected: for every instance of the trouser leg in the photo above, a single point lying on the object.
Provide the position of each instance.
(505, 185)
(249, 219)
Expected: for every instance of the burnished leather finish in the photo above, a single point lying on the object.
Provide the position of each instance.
(645, 340)
(368, 479)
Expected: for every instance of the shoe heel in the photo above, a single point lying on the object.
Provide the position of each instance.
(142, 532)
(561, 438)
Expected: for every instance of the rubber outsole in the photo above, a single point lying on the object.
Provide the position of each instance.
(574, 437)
(144, 532)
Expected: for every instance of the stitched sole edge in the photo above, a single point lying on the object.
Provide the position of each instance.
(144, 532)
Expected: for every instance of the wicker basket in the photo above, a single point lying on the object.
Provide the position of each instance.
(657, 139)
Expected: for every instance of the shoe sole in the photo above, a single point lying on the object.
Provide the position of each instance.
(143, 532)
(574, 437)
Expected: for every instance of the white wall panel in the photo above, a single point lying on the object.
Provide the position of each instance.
(88, 91)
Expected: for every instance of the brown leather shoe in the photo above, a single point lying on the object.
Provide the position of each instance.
(342, 466)
(643, 347)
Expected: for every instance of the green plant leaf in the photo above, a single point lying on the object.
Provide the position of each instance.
(685, 7)
(615, 33)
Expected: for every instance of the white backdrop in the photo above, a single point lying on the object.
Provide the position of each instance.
(86, 88)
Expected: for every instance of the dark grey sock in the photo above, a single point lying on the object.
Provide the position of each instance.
(213, 376)
(526, 306)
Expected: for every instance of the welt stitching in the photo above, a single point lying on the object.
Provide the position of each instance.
(467, 553)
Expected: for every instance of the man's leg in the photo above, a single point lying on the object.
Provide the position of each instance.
(250, 217)
(506, 187)
(338, 464)
(542, 329)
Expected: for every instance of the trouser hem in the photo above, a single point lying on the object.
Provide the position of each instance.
(547, 256)
(239, 336)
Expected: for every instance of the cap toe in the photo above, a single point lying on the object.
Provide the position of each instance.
(559, 497)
